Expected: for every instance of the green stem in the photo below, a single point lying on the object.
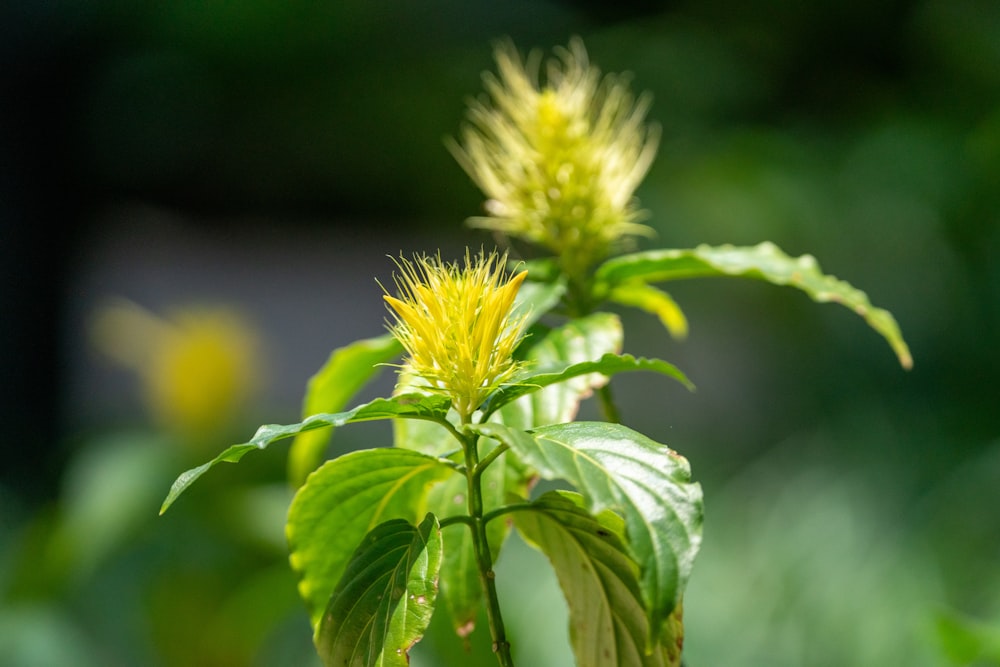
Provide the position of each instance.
(608, 406)
(459, 518)
(481, 547)
(580, 301)
(506, 509)
(489, 458)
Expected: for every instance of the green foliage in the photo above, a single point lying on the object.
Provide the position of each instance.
(344, 500)
(761, 262)
(417, 406)
(608, 624)
(574, 342)
(649, 484)
(383, 602)
(607, 365)
(969, 641)
(349, 496)
(347, 370)
(465, 459)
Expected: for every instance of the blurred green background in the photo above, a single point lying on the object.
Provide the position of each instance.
(197, 197)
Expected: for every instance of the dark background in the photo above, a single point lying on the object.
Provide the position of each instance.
(269, 155)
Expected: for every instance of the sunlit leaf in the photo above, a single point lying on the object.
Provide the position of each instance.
(384, 601)
(642, 295)
(646, 482)
(413, 406)
(348, 369)
(580, 340)
(607, 621)
(345, 499)
(535, 299)
(607, 365)
(762, 262)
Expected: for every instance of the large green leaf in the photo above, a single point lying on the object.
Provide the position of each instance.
(413, 406)
(348, 369)
(384, 602)
(608, 365)
(607, 620)
(345, 499)
(646, 482)
(763, 262)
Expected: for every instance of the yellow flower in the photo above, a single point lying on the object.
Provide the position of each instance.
(456, 327)
(560, 163)
(198, 367)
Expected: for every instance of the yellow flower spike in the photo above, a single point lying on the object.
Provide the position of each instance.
(456, 327)
(560, 163)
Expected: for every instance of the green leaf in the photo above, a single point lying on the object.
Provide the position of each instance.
(647, 483)
(347, 370)
(412, 406)
(580, 340)
(608, 365)
(763, 262)
(641, 295)
(535, 299)
(345, 499)
(384, 602)
(607, 620)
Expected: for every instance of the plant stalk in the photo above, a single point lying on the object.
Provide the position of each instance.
(484, 560)
(608, 406)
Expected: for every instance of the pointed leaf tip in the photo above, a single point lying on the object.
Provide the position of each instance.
(766, 262)
(415, 406)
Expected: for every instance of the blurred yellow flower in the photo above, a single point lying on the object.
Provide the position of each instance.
(197, 368)
(456, 327)
(560, 163)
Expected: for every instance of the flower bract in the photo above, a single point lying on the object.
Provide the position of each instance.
(560, 163)
(455, 323)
